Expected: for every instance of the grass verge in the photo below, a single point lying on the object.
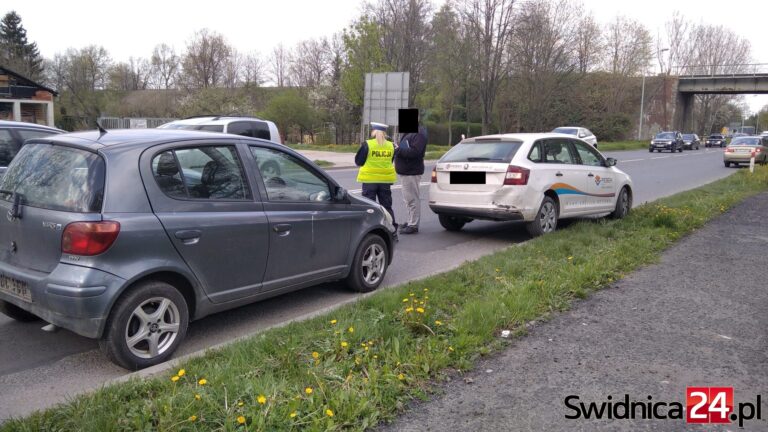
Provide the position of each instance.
(323, 163)
(361, 364)
(622, 145)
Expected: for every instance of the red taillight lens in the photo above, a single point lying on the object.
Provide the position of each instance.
(729, 150)
(757, 150)
(89, 238)
(516, 176)
(434, 175)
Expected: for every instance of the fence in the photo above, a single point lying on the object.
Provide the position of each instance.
(132, 123)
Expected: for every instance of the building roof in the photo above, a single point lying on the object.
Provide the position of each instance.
(33, 83)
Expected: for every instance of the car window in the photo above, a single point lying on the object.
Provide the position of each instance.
(749, 141)
(261, 130)
(666, 135)
(286, 178)
(26, 134)
(568, 131)
(535, 153)
(8, 147)
(488, 150)
(211, 173)
(556, 151)
(587, 132)
(240, 128)
(588, 155)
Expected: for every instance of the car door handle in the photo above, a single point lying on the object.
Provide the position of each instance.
(590, 175)
(559, 174)
(188, 237)
(282, 229)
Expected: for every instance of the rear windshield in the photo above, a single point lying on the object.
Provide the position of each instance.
(207, 128)
(569, 131)
(716, 136)
(668, 135)
(749, 141)
(498, 151)
(688, 137)
(56, 178)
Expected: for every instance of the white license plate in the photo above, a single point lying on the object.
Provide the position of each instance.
(743, 151)
(15, 288)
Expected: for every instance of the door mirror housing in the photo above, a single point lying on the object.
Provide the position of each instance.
(611, 162)
(340, 194)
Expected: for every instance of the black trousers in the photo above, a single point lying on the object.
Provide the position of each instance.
(381, 192)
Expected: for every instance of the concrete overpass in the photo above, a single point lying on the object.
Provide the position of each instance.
(750, 79)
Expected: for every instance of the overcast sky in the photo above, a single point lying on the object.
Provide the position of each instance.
(133, 28)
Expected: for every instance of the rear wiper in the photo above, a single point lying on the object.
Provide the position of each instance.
(15, 211)
(483, 159)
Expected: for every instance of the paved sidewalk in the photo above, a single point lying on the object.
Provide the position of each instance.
(698, 318)
(339, 160)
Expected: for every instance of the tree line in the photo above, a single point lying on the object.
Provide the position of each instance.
(476, 66)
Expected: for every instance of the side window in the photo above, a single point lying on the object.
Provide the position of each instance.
(535, 154)
(556, 151)
(587, 133)
(588, 155)
(8, 147)
(287, 179)
(240, 128)
(261, 130)
(212, 173)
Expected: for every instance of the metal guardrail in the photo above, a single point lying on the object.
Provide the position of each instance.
(730, 70)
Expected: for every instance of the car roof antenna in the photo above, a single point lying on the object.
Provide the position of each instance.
(102, 131)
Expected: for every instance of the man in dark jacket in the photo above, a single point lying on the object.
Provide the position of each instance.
(409, 165)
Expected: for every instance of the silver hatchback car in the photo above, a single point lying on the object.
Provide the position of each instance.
(128, 235)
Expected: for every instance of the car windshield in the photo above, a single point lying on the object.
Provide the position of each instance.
(716, 136)
(565, 130)
(747, 141)
(688, 137)
(494, 151)
(666, 135)
(56, 178)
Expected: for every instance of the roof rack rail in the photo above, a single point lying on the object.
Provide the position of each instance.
(203, 115)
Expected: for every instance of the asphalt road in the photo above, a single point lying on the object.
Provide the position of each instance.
(38, 369)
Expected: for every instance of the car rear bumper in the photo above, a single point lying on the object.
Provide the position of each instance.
(741, 158)
(479, 213)
(72, 297)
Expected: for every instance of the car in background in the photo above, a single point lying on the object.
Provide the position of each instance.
(741, 149)
(245, 126)
(533, 178)
(672, 141)
(764, 133)
(715, 140)
(106, 236)
(580, 132)
(691, 142)
(12, 137)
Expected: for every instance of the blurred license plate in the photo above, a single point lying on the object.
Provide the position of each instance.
(467, 177)
(15, 288)
(743, 151)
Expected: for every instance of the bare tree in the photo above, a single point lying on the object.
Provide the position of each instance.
(165, 66)
(233, 68)
(130, 75)
(253, 69)
(311, 63)
(205, 61)
(279, 65)
(589, 43)
(628, 45)
(489, 25)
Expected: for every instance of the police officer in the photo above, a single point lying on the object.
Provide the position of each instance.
(377, 172)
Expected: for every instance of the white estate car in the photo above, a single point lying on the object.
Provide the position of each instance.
(536, 178)
(579, 132)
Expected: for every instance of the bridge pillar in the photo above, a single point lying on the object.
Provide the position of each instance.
(684, 112)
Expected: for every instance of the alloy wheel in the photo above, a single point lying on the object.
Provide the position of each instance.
(374, 263)
(548, 217)
(152, 327)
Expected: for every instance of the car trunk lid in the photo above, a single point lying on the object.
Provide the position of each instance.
(478, 165)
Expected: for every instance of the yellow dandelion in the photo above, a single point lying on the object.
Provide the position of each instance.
(498, 270)
(202, 381)
(450, 348)
(357, 361)
(315, 355)
(333, 322)
(241, 420)
(175, 378)
(375, 357)
(370, 343)
(198, 397)
(411, 295)
(351, 329)
(420, 310)
(438, 323)
(405, 300)
(426, 289)
(261, 399)
(308, 390)
(329, 412)
(344, 344)
(192, 418)
(366, 348)
(240, 404)
(570, 258)
(401, 377)
(409, 309)
(181, 372)
(293, 414)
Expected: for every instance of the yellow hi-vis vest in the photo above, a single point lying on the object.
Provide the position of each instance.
(378, 167)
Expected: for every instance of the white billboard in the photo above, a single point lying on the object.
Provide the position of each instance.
(385, 93)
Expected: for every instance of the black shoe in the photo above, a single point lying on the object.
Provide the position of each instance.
(408, 229)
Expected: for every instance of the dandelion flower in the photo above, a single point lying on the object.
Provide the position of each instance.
(175, 378)
(344, 344)
(315, 355)
(420, 310)
(450, 348)
(203, 381)
(375, 357)
(366, 348)
(192, 418)
(198, 397)
(261, 399)
(410, 309)
(498, 270)
(570, 258)
(329, 412)
(308, 390)
(181, 372)
(293, 414)
(438, 323)
(241, 420)
(405, 300)
(351, 329)
(401, 377)
(411, 295)
(240, 404)
(426, 289)
(333, 322)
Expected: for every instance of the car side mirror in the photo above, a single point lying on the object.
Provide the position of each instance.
(611, 162)
(339, 194)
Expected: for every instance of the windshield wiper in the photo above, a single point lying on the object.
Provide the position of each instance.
(15, 211)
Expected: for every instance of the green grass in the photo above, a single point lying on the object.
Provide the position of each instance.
(374, 356)
(323, 163)
(622, 145)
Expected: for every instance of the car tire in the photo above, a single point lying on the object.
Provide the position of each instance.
(680, 150)
(269, 169)
(546, 218)
(650, 150)
(17, 313)
(623, 204)
(369, 265)
(145, 309)
(451, 223)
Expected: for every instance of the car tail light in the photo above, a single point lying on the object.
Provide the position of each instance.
(434, 175)
(757, 150)
(729, 150)
(89, 238)
(516, 176)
